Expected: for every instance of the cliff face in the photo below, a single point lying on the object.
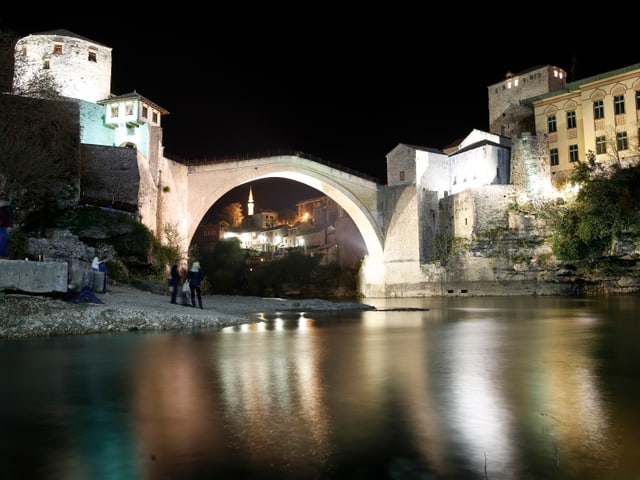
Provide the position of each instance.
(519, 261)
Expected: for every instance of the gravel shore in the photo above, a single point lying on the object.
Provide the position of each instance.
(128, 309)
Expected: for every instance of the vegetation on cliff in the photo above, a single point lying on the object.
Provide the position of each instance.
(604, 213)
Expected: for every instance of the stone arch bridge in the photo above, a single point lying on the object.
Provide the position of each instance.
(194, 188)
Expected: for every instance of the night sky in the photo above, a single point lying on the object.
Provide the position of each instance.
(342, 87)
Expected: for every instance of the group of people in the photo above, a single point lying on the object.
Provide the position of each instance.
(187, 282)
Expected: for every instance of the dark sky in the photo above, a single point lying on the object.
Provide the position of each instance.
(342, 87)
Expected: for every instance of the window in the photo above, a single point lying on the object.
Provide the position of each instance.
(144, 111)
(115, 111)
(551, 123)
(618, 104)
(622, 141)
(402, 175)
(155, 117)
(129, 108)
(93, 57)
(573, 153)
(46, 64)
(553, 156)
(57, 48)
(598, 109)
(571, 119)
(637, 99)
(601, 145)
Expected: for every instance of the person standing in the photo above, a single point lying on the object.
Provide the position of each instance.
(102, 267)
(175, 282)
(184, 288)
(195, 277)
(95, 264)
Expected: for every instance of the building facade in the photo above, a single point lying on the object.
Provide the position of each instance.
(599, 114)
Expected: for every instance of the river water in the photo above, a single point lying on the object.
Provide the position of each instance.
(466, 388)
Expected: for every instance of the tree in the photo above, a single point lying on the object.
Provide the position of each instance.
(39, 153)
(7, 46)
(231, 215)
(604, 210)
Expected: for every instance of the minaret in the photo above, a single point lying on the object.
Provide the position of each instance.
(250, 204)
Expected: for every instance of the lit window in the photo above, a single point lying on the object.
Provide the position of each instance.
(573, 153)
(115, 111)
(601, 145)
(553, 156)
(622, 141)
(93, 57)
(551, 123)
(571, 119)
(57, 48)
(618, 104)
(598, 109)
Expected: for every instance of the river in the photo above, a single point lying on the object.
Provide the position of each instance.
(437, 388)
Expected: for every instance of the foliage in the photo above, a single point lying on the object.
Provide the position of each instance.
(224, 267)
(294, 272)
(605, 209)
(140, 252)
(174, 240)
(8, 40)
(39, 162)
(446, 246)
(231, 215)
(18, 244)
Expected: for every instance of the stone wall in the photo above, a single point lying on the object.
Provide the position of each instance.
(110, 176)
(33, 277)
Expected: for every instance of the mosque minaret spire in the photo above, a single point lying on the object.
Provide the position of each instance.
(250, 203)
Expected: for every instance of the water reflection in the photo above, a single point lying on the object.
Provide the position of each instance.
(489, 388)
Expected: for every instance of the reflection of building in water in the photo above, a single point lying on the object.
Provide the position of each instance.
(174, 411)
(274, 396)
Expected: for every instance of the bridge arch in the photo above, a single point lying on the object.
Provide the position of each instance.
(359, 197)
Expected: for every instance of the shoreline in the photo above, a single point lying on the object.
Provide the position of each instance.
(126, 309)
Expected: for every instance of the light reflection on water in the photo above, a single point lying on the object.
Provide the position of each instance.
(491, 388)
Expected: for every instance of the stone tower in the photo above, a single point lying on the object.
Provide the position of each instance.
(81, 68)
(507, 115)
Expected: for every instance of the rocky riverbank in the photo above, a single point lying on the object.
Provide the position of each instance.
(128, 309)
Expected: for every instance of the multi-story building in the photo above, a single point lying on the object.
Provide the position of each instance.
(598, 114)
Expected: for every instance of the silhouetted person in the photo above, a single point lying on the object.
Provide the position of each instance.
(195, 277)
(185, 289)
(102, 267)
(175, 282)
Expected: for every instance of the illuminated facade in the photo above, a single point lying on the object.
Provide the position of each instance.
(80, 68)
(598, 114)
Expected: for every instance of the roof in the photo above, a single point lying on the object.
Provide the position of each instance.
(132, 96)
